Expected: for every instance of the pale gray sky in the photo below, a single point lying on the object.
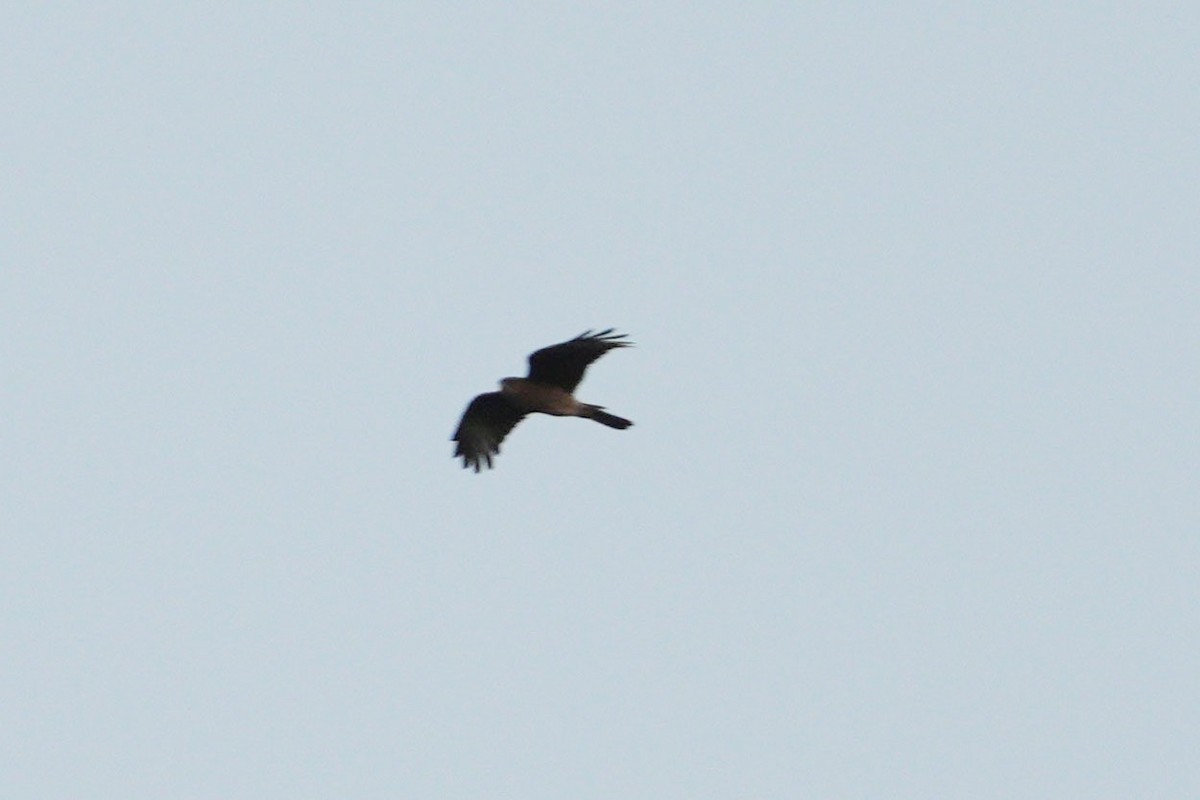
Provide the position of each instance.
(910, 509)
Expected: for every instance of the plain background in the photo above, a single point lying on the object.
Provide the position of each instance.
(910, 507)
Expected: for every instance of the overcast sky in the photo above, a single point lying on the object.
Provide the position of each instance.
(910, 508)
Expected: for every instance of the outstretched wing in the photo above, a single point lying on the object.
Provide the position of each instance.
(562, 365)
(485, 423)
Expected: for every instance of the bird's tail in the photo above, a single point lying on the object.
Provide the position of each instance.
(604, 418)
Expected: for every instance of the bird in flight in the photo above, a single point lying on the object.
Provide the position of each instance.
(554, 372)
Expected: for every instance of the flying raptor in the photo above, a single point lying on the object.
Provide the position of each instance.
(554, 372)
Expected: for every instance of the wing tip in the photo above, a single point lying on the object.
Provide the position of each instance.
(607, 336)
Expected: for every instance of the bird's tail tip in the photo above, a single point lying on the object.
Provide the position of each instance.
(611, 420)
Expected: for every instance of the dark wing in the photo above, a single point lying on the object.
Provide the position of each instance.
(485, 423)
(562, 365)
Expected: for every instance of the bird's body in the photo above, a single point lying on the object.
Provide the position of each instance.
(539, 398)
(554, 373)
